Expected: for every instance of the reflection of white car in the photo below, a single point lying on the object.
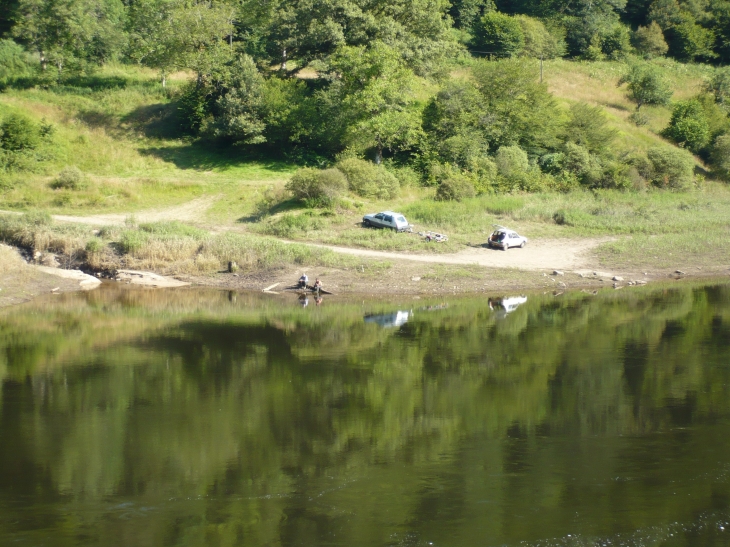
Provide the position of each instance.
(395, 319)
(504, 238)
(506, 305)
(387, 219)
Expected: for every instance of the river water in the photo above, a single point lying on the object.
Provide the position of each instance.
(210, 418)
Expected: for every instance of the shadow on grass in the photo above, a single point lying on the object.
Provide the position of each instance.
(281, 207)
(157, 121)
(618, 106)
(206, 157)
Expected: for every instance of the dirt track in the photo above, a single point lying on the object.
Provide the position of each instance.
(540, 254)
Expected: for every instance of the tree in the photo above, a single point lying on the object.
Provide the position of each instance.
(306, 31)
(646, 85)
(588, 127)
(539, 42)
(690, 40)
(688, 126)
(177, 34)
(71, 32)
(466, 13)
(241, 110)
(649, 41)
(517, 109)
(499, 34)
(378, 92)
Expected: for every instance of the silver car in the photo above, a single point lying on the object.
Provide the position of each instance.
(387, 219)
(504, 238)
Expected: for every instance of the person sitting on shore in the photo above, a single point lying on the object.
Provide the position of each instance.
(317, 285)
(302, 284)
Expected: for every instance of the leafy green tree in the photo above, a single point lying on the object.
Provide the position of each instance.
(466, 13)
(691, 41)
(71, 32)
(539, 42)
(520, 110)
(588, 127)
(378, 92)
(7, 16)
(649, 41)
(179, 34)
(666, 13)
(689, 127)
(240, 112)
(304, 31)
(646, 85)
(499, 34)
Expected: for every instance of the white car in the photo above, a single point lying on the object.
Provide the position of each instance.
(387, 219)
(504, 238)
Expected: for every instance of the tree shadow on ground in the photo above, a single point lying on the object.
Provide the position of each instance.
(206, 156)
(281, 207)
(156, 121)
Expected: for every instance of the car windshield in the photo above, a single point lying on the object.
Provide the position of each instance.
(401, 219)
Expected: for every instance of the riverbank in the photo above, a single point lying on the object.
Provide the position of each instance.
(20, 282)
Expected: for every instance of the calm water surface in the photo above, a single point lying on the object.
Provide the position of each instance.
(207, 418)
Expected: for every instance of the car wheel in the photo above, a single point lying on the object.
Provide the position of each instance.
(366, 223)
(395, 230)
(522, 245)
(505, 247)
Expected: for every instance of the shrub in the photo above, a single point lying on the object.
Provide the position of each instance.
(70, 178)
(649, 41)
(719, 85)
(94, 245)
(317, 188)
(291, 225)
(511, 160)
(638, 118)
(499, 34)
(369, 180)
(721, 156)
(455, 188)
(688, 126)
(194, 108)
(15, 63)
(588, 127)
(670, 168)
(18, 133)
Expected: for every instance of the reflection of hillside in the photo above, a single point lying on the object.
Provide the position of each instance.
(257, 408)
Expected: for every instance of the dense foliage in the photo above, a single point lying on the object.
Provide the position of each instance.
(404, 82)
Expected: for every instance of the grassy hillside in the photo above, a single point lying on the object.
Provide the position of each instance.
(119, 129)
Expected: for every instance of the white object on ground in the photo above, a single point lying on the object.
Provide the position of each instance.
(148, 279)
(86, 281)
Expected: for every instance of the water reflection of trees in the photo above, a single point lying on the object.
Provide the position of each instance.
(255, 411)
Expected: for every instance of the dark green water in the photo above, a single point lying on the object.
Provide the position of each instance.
(206, 418)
